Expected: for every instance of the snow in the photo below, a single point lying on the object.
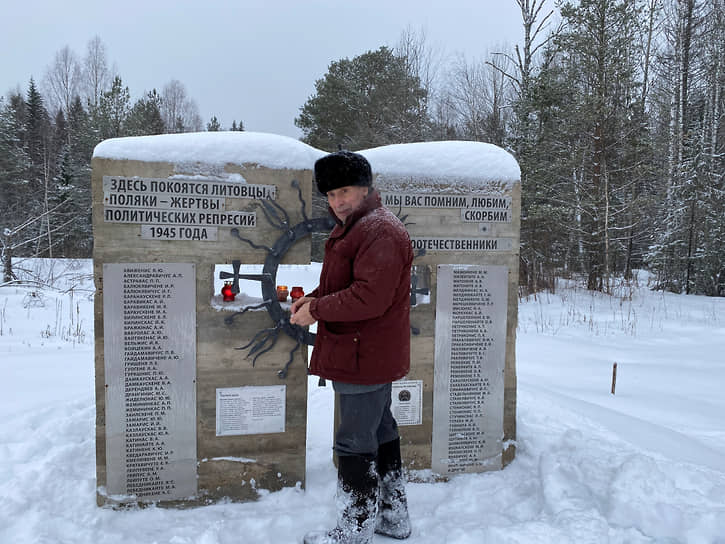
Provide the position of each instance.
(646, 465)
(472, 164)
(216, 148)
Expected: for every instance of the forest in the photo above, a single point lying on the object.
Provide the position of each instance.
(614, 109)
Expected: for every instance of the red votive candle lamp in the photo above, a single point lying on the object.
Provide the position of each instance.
(227, 292)
(282, 293)
(297, 292)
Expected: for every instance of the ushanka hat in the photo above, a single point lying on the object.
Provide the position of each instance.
(341, 169)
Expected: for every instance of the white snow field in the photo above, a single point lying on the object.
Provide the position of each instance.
(644, 465)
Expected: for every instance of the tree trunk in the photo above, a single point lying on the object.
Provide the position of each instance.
(690, 244)
(7, 257)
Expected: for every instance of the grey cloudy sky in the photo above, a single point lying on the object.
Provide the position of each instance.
(254, 61)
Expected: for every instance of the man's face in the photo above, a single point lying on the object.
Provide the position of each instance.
(345, 199)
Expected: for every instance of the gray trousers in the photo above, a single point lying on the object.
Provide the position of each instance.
(365, 422)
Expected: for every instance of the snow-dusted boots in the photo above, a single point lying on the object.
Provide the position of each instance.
(357, 503)
(393, 519)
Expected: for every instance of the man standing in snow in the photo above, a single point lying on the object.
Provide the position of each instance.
(362, 306)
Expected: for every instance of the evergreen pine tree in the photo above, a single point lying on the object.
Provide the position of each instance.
(113, 110)
(144, 118)
(213, 125)
(368, 101)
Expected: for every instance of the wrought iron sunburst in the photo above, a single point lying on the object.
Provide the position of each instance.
(265, 340)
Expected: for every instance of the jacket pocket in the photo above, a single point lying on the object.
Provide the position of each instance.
(340, 352)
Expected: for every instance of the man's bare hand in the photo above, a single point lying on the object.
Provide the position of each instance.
(299, 302)
(302, 315)
(301, 312)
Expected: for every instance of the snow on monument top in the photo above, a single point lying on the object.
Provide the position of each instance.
(218, 148)
(467, 164)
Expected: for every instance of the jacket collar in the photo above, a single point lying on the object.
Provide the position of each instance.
(371, 202)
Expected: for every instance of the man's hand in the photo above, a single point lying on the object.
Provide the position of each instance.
(301, 312)
(299, 302)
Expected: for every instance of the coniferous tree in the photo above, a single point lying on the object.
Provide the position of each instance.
(688, 90)
(597, 50)
(82, 141)
(113, 110)
(144, 118)
(367, 101)
(37, 135)
(213, 125)
(13, 165)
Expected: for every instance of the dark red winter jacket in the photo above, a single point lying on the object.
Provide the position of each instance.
(363, 301)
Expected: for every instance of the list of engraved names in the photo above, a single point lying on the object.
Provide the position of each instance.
(153, 386)
(469, 387)
(470, 341)
(146, 388)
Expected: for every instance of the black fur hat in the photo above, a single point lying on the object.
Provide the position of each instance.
(340, 169)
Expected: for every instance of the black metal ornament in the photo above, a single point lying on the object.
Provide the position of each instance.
(265, 340)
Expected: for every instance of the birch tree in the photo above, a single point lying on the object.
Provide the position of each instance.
(62, 82)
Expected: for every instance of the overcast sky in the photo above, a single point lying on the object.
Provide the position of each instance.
(254, 61)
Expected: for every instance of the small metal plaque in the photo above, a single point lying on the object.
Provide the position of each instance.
(470, 351)
(149, 328)
(407, 402)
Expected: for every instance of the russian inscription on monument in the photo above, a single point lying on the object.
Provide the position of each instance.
(470, 340)
(179, 209)
(150, 369)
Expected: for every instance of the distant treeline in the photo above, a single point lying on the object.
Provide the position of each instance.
(615, 110)
(47, 136)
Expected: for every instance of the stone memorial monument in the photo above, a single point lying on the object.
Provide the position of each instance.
(201, 394)
(182, 416)
(461, 203)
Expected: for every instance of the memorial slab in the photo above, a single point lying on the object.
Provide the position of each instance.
(461, 203)
(182, 417)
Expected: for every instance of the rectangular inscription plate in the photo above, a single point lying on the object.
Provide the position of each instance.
(470, 350)
(250, 410)
(149, 319)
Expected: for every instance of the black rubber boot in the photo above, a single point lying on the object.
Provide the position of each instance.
(393, 519)
(357, 503)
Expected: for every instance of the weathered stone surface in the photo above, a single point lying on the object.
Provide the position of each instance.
(228, 466)
(237, 466)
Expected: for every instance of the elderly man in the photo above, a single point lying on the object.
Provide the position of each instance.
(362, 307)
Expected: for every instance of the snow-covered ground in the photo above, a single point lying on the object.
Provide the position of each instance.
(644, 465)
